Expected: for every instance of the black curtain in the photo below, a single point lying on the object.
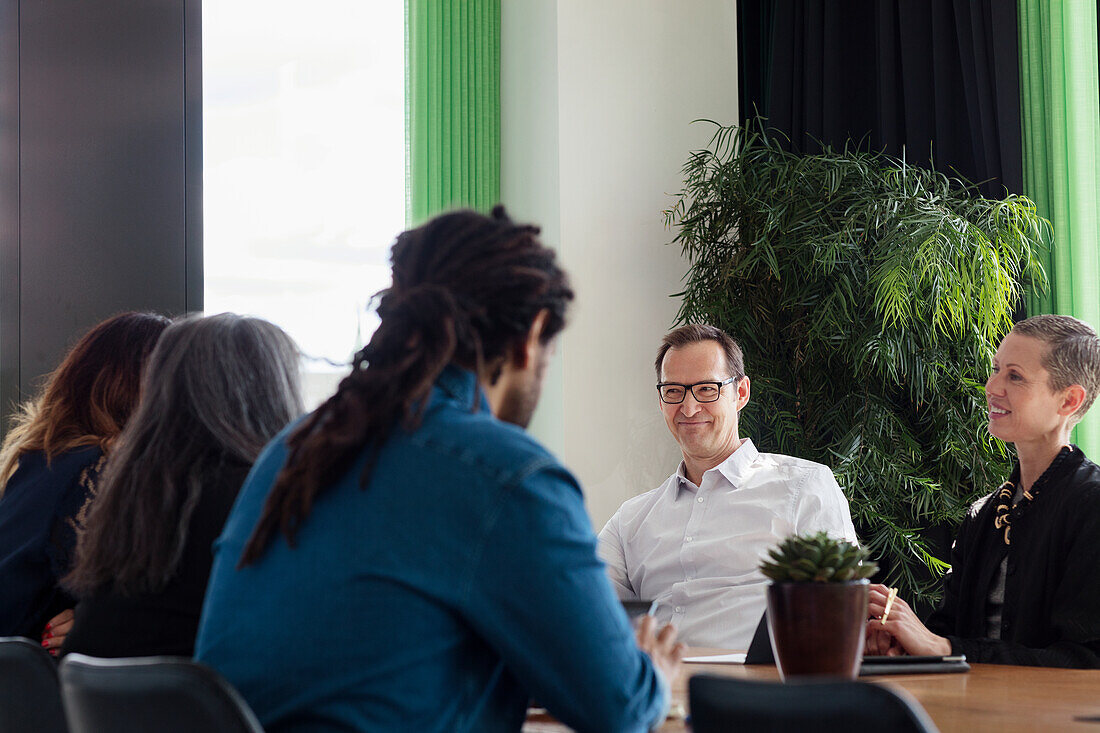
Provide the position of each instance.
(937, 78)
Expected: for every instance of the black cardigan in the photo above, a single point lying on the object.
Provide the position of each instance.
(1051, 614)
(109, 624)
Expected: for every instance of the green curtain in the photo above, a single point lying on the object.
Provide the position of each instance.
(452, 106)
(1060, 105)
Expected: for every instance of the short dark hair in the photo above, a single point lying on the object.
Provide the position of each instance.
(1072, 355)
(695, 333)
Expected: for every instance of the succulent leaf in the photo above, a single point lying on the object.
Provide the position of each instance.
(777, 573)
(817, 558)
(824, 574)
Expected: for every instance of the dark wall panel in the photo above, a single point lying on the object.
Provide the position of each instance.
(109, 165)
(9, 204)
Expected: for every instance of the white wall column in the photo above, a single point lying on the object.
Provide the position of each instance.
(597, 102)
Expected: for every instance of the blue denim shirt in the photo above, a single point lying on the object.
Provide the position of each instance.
(460, 583)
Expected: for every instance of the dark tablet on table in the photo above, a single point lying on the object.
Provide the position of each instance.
(760, 652)
(913, 665)
(760, 649)
(636, 609)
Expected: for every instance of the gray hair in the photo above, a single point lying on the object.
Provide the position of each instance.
(216, 390)
(1072, 355)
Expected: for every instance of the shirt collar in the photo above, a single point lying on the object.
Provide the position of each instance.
(461, 385)
(732, 469)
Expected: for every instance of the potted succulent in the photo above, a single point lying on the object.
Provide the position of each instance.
(817, 605)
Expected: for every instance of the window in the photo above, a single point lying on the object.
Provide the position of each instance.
(304, 177)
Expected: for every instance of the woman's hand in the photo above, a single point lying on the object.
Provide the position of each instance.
(53, 636)
(879, 642)
(907, 633)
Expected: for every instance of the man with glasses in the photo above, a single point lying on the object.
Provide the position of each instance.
(694, 544)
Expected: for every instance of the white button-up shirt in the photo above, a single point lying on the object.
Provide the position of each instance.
(696, 550)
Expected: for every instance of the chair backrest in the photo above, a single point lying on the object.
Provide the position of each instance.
(162, 694)
(721, 704)
(30, 701)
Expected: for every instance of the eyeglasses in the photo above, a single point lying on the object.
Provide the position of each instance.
(673, 393)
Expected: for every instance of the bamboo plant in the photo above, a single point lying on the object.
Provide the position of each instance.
(869, 296)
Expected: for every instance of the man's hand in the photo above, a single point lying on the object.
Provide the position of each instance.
(661, 647)
(908, 634)
(53, 636)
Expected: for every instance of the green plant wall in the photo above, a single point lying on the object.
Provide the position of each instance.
(869, 297)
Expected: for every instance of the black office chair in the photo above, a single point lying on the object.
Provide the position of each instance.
(155, 694)
(721, 704)
(30, 700)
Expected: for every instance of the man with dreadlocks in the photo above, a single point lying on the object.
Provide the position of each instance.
(407, 557)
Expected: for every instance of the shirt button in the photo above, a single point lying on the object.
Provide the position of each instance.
(679, 609)
(700, 500)
(688, 538)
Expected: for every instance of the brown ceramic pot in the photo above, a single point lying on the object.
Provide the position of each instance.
(817, 628)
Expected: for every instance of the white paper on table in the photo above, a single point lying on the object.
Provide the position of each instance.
(735, 658)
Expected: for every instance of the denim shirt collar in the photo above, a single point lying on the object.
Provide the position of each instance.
(461, 386)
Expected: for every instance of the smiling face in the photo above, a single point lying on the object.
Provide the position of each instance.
(1022, 405)
(706, 431)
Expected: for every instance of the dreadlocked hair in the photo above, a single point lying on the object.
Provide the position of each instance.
(466, 288)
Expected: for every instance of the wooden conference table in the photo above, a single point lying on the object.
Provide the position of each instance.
(990, 697)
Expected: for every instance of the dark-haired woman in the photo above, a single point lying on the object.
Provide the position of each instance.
(49, 464)
(217, 389)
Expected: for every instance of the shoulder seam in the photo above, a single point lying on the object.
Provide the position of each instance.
(506, 487)
(477, 461)
(792, 504)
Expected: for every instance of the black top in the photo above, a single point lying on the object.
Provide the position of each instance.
(111, 625)
(1051, 612)
(42, 505)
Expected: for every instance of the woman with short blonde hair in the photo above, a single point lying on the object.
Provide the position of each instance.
(1024, 584)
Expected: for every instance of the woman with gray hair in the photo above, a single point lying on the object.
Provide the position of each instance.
(217, 389)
